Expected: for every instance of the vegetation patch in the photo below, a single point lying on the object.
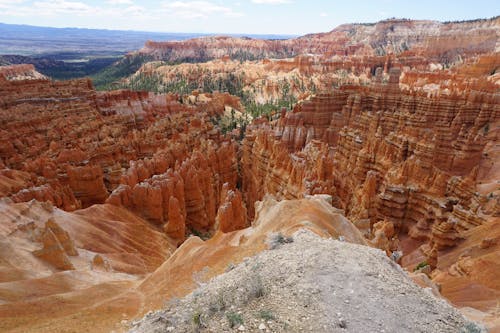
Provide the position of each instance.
(266, 315)
(234, 319)
(421, 265)
(110, 77)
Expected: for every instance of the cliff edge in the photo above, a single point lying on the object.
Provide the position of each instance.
(308, 283)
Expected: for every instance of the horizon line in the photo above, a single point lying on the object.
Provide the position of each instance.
(242, 34)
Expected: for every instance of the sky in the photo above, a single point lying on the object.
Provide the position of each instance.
(294, 17)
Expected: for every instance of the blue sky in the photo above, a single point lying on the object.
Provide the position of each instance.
(241, 16)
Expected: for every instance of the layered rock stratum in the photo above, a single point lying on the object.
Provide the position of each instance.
(114, 203)
(403, 173)
(430, 39)
(432, 56)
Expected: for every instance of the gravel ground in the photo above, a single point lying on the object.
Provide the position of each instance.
(309, 284)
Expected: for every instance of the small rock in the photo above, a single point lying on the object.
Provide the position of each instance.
(342, 323)
(170, 329)
(262, 327)
(241, 328)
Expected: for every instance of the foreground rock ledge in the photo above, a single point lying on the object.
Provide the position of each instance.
(311, 284)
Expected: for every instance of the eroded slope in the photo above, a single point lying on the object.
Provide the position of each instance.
(320, 285)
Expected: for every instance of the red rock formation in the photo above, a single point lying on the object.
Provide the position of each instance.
(403, 164)
(87, 184)
(53, 253)
(99, 263)
(195, 181)
(176, 225)
(383, 232)
(433, 40)
(412, 163)
(57, 246)
(434, 57)
(84, 142)
(19, 72)
(232, 214)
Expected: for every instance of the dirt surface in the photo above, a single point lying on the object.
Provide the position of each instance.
(309, 284)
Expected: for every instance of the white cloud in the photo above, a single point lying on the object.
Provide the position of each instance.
(9, 3)
(136, 9)
(136, 12)
(62, 6)
(323, 14)
(55, 8)
(119, 2)
(197, 9)
(271, 2)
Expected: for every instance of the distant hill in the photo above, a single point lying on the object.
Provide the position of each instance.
(32, 40)
(65, 53)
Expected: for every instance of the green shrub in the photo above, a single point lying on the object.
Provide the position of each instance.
(421, 265)
(471, 328)
(197, 318)
(276, 239)
(266, 315)
(234, 319)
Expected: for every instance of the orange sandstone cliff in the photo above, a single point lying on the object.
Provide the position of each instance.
(416, 172)
(434, 40)
(113, 202)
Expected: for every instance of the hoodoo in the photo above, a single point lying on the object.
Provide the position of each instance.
(337, 182)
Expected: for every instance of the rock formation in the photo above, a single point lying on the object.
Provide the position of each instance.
(431, 55)
(392, 145)
(19, 73)
(79, 148)
(232, 214)
(57, 246)
(430, 39)
(403, 165)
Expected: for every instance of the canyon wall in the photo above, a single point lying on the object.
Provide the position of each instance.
(64, 143)
(433, 57)
(439, 42)
(397, 129)
(416, 172)
(97, 190)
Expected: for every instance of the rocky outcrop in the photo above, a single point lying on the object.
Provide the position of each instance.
(57, 246)
(405, 147)
(194, 180)
(232, 214)
(176, 225)
(434, 40)
(78, 146)
(87, 184)
(402, 164)
(282, 280)
(20, 72)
